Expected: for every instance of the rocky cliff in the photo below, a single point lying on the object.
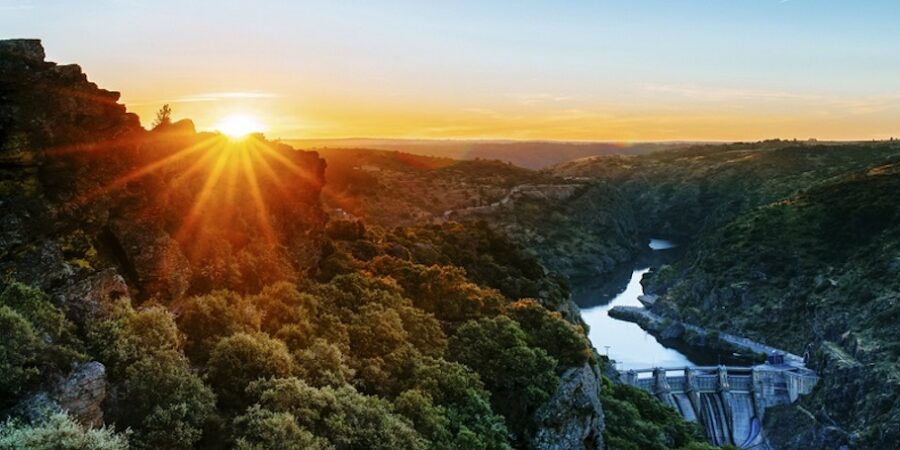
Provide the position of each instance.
(85, 188)
(95, 208)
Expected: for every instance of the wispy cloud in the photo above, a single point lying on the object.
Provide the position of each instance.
(857, 105)
(723, 94)
(16, 7)
(215, 96)
(536, 98)
(210, 97)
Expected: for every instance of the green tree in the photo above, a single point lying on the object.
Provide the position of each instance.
(458, 389)
(37, 341)
(323, 364)
(58, 432)
(348, 419)
(207, 319)
(549, 331)
(163, 117)
(238, 360)
(163, 402)
(519, 377)
(635, 420)
(262, 429)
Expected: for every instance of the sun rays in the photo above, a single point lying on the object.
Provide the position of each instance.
(239, 126)
(215, 189)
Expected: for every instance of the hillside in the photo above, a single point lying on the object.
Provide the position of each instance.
(683, 192)
(533, 155)
(575, 227)
(392, 188)
(174, 289)
(818, 272)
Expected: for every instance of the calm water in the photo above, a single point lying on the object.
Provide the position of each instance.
(627, 343)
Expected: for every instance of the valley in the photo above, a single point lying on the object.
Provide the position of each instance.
(710, 198)
(210, 290)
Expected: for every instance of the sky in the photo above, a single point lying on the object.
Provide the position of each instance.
(626, 70)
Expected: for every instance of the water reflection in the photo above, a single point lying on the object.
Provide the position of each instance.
(625, 342)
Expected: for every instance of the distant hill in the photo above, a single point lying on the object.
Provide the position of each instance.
(528, 154)
(392, 188)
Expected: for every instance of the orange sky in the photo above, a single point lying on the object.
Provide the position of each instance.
(648, 70)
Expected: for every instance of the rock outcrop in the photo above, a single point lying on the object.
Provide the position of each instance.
(90, 298)
(82, 393)
(85, 188)
(573, 418)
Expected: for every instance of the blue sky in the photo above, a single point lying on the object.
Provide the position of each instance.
(581, 70)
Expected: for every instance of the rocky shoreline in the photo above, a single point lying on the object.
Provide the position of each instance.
(672, 329)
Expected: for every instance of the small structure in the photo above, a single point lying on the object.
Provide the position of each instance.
(775, 359)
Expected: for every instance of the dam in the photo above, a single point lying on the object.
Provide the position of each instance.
(728, 403)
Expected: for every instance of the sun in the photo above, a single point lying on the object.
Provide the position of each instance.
(238, 126)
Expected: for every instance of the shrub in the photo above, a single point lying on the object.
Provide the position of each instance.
(348, 419)
(549, 331)
(519, 377)
(59, 432)
(261, 429)
(37, 341)
(238, 360)
(163, 402)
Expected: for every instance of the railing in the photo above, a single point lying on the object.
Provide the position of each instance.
(742, 383)
(677, 384)
(709, 383)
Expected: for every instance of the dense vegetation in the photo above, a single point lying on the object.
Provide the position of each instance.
(635, 420)
(818, 272)
(393, 188)
(346, 362)
(680, 193)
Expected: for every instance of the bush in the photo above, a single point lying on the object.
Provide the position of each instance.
(59, 432)
(348, 419)
(163, 402)
(238, 360)
(37, 342)
(519, 377)
(261, 429)
(549, 331)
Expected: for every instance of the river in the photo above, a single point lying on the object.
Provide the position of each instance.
(625, 342)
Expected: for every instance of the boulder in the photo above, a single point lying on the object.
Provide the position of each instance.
(572, 419)
(28, 49)
(674, 331)
(156, 258)
(91, 297)
(648, 300)
(82, 393)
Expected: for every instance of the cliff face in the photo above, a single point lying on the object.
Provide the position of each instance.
(85, 188)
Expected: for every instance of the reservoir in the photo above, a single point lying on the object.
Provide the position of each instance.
(625, 342)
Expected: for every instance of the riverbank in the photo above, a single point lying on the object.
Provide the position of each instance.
(698, 336)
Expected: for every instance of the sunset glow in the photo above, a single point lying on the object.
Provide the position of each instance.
(650, 70)
(239, 126)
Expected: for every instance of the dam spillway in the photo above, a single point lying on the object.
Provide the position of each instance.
(727, 402)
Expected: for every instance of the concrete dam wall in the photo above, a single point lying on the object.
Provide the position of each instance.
(729, 403)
